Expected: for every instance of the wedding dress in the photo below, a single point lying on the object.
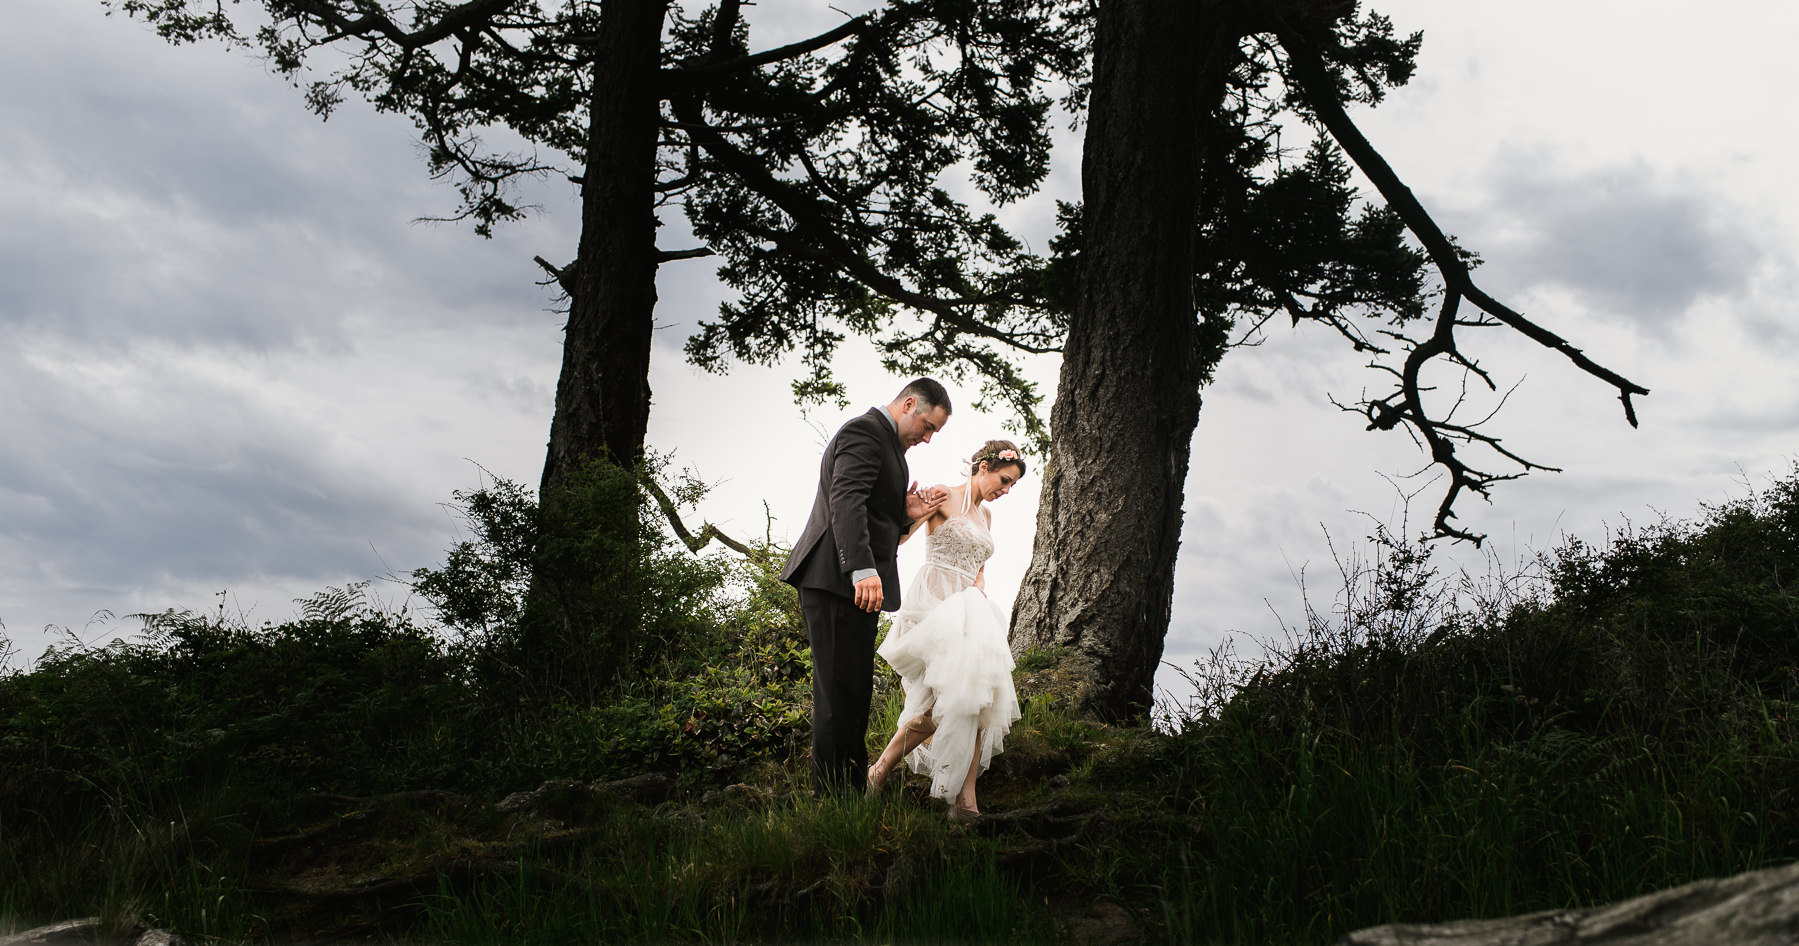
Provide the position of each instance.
(948, 644)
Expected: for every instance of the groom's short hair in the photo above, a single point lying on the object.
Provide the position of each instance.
(929, 393)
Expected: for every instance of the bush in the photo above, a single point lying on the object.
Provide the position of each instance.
(1620, 720)
(622, 653)
(1616, 723)
(567, 599)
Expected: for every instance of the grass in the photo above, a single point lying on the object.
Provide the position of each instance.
(1618, 726)
(798, 869)
(1620, 722)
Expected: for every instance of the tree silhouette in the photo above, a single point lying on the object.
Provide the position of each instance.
(823, 173)
(1197, 224)
(820, 170)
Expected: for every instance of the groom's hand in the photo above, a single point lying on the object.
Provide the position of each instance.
(922, 503)
(868, 593)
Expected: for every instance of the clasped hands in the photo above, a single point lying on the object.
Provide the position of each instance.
(920, 504)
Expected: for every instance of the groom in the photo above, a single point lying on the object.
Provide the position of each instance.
(846, 569)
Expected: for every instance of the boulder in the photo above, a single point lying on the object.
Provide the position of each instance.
(87, 932)
(67, 933)
(1759, 908)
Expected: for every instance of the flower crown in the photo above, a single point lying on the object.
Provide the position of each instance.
(1002, 455)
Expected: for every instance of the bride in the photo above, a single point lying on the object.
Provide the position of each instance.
(948, 644)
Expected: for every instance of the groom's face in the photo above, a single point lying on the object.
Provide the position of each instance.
(917, 424)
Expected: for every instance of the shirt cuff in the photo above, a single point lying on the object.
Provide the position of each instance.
(862, 573)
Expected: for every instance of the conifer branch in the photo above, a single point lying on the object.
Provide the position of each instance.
(813, 234)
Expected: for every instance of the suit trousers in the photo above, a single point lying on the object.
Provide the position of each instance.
(843, 662)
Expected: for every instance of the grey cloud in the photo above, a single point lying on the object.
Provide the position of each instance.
(171, 215)
(1630, 241)
(1779, 413)
(111, 494)
(146, 198)
(142, 117)
(104, 264)
(522, 393)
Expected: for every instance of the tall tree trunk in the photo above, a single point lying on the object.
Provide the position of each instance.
(573, 645)
(603, 393)
(1102, 570)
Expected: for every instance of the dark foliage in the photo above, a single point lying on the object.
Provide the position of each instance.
(1666, 632)
(820, 171)
(207, 725)
(568, 598)
(1621, 722)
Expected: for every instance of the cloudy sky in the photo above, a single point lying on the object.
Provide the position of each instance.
(233, 368)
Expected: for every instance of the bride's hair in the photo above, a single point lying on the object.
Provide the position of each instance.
(996, 453)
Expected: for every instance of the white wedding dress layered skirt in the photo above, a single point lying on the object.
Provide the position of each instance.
(948, 645)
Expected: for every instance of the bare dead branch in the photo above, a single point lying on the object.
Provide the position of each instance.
(663, 256)
(1439, 435)
(563, 276)
(1308, 67)
(708, 531)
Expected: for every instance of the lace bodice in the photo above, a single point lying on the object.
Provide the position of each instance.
(961, 543)
(953, 556)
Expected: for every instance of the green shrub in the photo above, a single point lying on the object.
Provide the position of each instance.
(1620, 720)
(624, 653)
(1617, 723)
(567, 598)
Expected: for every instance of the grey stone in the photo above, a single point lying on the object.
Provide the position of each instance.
(1759, 908)
(81, 932)
(86, 932)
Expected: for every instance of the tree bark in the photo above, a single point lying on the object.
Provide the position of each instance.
(603, 393)
(1108, 528)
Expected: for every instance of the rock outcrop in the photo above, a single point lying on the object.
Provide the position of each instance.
(1759, 908)
(67, 933)
(87, 932)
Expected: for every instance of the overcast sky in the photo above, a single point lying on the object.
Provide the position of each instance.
(231, 362)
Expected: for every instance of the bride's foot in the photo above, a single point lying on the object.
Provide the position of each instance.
(961, 815)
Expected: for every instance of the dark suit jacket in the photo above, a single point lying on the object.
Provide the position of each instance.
(859, 514)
